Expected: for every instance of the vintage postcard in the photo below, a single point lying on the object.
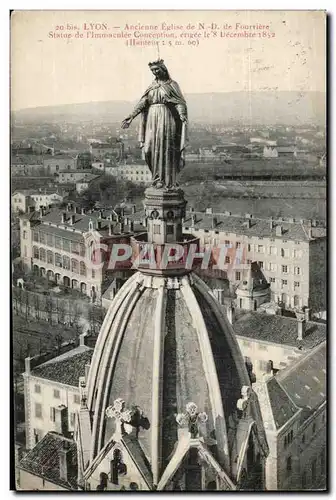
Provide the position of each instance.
(169, 240)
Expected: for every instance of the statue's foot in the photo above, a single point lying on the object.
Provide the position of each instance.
(159, 185)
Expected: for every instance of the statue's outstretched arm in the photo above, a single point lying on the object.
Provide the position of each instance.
(142, 104)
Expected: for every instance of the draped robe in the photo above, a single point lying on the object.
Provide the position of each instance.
(162, 133)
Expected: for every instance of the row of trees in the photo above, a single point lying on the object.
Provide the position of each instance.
(77, 314)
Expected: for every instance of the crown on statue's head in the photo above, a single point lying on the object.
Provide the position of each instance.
(159, 62)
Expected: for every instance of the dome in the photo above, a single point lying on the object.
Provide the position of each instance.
(165, 343)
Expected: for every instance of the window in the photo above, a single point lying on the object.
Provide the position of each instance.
(283, 282)
(38, 410)
(36, 253)
(297, 270)
(93, 273)
(227, 259)
(24, 235)
(314, 428)
(42, 238)
(284, 269)
(262, 347)
(72, 419)
(81, 249)
(170, 229)
(58, 260)
(50, 240)
(66, 245)
(25, 251)
(272, 250)
(82, 269)
(249, 261)
(272, 280)
(52, 414)
(50, 257)
(297, 254)
(74, 266)
(238, 276)
(42, 254)
(303, 439)
(37, 388)
(57, 394)
(260, 264)
(272, 267)
(35, 236)
(289, 464)
(261, 249)
(75, 247)
(227, 243)
(238, 244)
(248, 247)
(66, 262)
(157, 229)
(284, 252)
(76, 399)
(58, 242)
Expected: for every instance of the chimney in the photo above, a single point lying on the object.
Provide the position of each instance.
(65, 460)
(100, 214)
(27, 364)
(230, 313)
(191, 209)
(83, 211)
(42, 211)
(110, 227)
(247, 223)
(227, 212)
(87, 369)
(61, 420)
(310, 233)
(214, 222)
(122, 227)
(77, 210)
(278, 230)
(99, 224)
(69, 207)
(208, 211)
(64, 217)
(31, 209)
(248, 216)
(301, 321)
(131, 226)
(193, 219)
(72, 219)
(133, 209)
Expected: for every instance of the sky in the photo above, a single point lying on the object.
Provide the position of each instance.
(47, 71)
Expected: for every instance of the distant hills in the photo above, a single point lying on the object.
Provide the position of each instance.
(264, 108)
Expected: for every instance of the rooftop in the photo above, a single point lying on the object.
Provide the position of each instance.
(67, 368)
(81, 222)
(279, 330)
(281, 405)
(306, 380)
(297, 230)
(43, 460)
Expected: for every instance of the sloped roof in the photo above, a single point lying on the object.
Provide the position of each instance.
(65, 369)
(282, 407)
(278, 329)
(259, 227)
(306, 380)
(43, 460)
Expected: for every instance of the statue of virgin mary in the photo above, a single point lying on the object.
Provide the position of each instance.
(163, 126)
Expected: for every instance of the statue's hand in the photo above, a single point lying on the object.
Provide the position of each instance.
(183, 118)
(126, 123)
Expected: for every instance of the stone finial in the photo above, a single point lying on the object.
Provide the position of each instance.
(121, 416)
(243, 402)
(191, 418)
(82, 393)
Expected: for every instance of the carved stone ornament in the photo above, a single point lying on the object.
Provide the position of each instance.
(243, 402)
(121, 416)
(191, 418)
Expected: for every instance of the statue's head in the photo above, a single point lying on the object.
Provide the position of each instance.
(159, 70)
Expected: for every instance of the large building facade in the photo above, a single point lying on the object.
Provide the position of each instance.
(290, 253)
(71, 247)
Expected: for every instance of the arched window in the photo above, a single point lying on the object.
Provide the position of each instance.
(50, 257)
(36, 253)
(296, 300)
(74, 266)
(117, 466)
(42, 254)
(82, 269)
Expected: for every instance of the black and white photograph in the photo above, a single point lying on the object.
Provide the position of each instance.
(168, 220)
